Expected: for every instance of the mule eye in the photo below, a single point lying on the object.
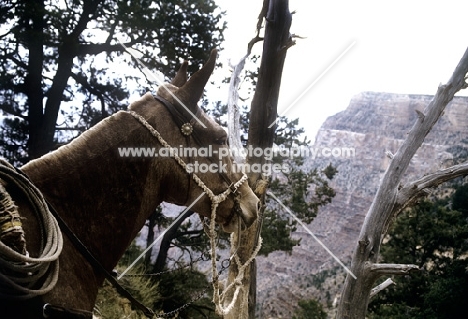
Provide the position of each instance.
(221, 141)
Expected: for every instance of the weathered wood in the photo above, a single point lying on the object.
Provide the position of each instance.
(390, 199)
(381, 287)
(263, 112)
(391, 269)
(413, 190)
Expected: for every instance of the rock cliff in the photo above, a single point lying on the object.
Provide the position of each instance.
(355, 141)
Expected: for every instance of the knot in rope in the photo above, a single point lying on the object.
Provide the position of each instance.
(21, 276)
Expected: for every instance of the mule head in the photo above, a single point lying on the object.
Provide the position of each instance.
(211, 161)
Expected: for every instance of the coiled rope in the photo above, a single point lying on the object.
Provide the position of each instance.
(21, 275)
(218, 297)
(11, 228)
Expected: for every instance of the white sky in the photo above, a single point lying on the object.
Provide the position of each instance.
(400, 47)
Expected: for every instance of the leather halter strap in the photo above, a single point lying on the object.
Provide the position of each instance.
(178, 117)
(180, 121)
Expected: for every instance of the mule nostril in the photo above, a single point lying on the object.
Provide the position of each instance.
(259, 205)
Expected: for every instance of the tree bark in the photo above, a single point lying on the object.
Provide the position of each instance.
(391, 198)
(263, 113)
(166, 241)
(55, 97)
(43, 122)
(34, 15)
(150, 236)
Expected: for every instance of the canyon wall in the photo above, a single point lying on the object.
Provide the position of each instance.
(355, 141)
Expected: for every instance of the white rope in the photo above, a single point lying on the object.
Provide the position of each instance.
(214, 198)
(218, 298)
(20, 274)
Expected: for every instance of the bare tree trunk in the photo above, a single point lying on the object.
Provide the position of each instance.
(166, 241)
(33, 81)
(263, 113)
(150, 236)
(392, 198)
(42, 119)
(32, 19)
(263, 110)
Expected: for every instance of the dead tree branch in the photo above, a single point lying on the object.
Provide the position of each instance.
(381, 287)
(416, 189)
(390, 199)
(391, 269)
(263, 112)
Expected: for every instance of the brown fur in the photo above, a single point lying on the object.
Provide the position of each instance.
(105, 199)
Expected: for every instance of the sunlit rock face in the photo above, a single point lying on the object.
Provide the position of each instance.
(374, 125)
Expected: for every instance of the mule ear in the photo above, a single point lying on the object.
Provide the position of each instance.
(192, 91)
(181, 76)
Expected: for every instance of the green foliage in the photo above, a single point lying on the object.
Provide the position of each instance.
(14, 131)
(110, 304)
(288, 134)
(276, 234)
(330, 171)
(182, 287)
(54, 53)
(309, 309)
(459, 152)
(460, 200)
(434, 237)
(303, 192)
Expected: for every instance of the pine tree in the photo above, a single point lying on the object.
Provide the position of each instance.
(59, 61)
(433, 235)
(302, 190)
(309, 309)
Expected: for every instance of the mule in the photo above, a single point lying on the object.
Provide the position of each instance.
(105, 198)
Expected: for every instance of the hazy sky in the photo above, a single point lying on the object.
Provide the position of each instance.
(392, 46)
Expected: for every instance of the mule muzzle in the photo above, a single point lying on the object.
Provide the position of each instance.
(248, 211)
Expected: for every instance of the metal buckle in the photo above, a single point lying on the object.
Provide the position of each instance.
(186, 129)
(44, 311)
(233, 188)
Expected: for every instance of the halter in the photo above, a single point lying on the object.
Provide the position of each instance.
(186, 128)
(215, 199)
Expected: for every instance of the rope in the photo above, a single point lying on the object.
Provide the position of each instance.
(218, 298)
(11, 228)
(19, 273)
